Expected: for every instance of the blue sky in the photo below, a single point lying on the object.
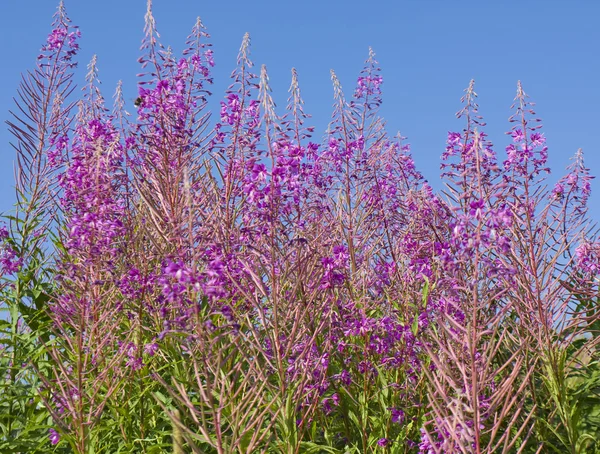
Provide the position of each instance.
(428, 50)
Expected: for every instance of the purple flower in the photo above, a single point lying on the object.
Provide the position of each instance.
(398, 415)
(151, 348)
(10, 263)
(54, 436)
(518, 135)
(537, 139)
(588, 258)
(368, 85)
(453, 138)
(383, 442)
(344, 377)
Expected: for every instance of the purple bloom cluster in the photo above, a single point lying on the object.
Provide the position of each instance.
(328, 276)
(89, 191)
(10, 262)
(588, 258)
(62, 41)
(54, 436)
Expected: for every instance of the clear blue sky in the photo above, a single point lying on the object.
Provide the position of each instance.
(428, 50)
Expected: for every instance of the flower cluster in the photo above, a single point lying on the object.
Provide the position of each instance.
(89, 192)
(10, 262)
(62, 42)
(588, 258)
(273, 286)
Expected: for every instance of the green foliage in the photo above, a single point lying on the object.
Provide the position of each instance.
(24, 420)
(570, 378)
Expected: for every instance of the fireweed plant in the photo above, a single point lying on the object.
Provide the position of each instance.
(175, 282)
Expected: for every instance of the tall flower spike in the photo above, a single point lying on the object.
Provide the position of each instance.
(367, 99)
(244, 53)
(572, 191)
(269, 117)
(341, 112)
(86, 310)
(193, 74)
(196, 41)
(93, 105)
(369, 82)
(240, 119)
(295, 107)
(150, 41)
(62, 42)
(469, 161)
(470, 112)
(238, 110)
(350, 173)
(41, 122)
(263, 186)
(119, 111)
(120, 118)
(528, 153)
(470, 109)
(199, 60)
(342, 128)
